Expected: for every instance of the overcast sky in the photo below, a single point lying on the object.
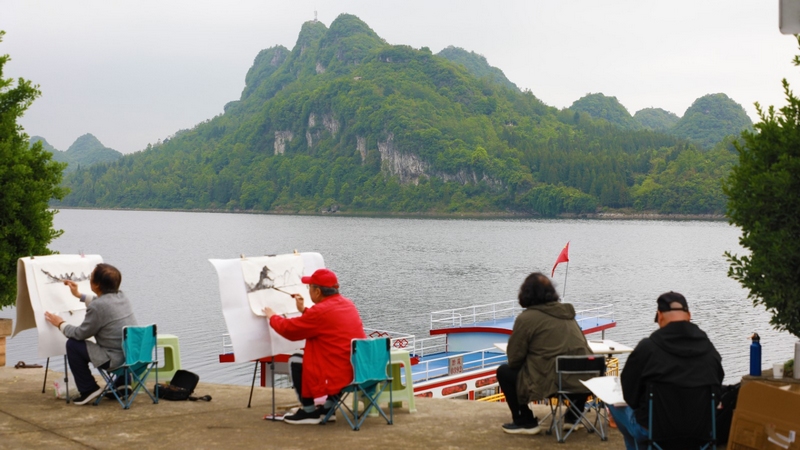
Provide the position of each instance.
(134, 72)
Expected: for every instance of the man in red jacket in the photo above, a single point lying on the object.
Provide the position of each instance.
(328, 327)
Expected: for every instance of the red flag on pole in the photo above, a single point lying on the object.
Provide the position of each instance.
(562, 257)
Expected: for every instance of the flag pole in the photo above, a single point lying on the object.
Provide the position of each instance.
(564, 291)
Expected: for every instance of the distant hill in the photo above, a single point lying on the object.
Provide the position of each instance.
(85, 151)
(600, 106)
(346, 122)
(656, 119)
(477, 65)
(710, 119)
(57, 154)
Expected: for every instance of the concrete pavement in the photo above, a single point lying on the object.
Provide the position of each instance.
(30, 419)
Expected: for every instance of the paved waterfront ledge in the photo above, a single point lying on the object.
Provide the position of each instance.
(30, 419)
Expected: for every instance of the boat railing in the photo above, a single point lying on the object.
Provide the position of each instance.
(402, 341)
(469, 315)
(433, 368)
(429, 346)
(590, 315)
(398, 340)
(227, 345)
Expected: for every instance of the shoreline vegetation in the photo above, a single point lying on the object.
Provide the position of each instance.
(604, 215)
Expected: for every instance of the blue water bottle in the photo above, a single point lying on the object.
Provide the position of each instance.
(755, 356)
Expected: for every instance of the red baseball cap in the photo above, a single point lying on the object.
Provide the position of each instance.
(323, 278)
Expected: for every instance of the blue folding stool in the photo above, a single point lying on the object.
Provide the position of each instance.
(370, 359)
(141, 356)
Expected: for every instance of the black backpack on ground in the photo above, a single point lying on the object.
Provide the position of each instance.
(180, 387)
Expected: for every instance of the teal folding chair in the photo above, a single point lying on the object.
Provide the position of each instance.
(370, 359)
(141, 356)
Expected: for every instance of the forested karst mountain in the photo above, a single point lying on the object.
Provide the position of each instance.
(609, 108)
(656, 119)
(711, 118)
(46, 146)
(347, 119)
(476, 64)
(85, 151)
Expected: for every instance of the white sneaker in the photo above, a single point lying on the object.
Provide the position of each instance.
(568, 426)
(512, 428)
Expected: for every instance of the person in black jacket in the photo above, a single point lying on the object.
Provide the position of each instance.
(679, 353)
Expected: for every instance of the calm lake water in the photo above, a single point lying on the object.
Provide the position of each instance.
(399, 270)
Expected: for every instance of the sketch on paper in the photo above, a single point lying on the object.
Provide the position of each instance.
(67, 276)
(268, 279)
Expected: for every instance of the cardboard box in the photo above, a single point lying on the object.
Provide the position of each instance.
(5, 327)
(766, 417)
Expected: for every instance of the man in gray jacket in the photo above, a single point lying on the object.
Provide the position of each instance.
(106, 315)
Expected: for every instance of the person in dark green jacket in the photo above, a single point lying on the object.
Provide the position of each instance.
(545, 329)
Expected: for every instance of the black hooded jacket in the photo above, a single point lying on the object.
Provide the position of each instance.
(679, 354)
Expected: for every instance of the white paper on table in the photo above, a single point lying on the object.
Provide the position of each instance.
(251, 336)
(40, 288)
(607, 389)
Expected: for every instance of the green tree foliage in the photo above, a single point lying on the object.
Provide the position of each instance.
(477, 65)
(28, 180)
(346, 119)
(600, 106)
(763, 192)
(656, 119)
(710, 119)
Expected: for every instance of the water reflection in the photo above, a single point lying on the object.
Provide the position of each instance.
(398, 270)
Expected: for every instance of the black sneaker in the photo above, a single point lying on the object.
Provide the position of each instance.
(301, 417)
(87, 397)
(512, 428)
(324, 412)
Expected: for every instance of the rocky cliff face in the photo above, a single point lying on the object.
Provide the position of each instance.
(315, 133)
(409, 168)
(281, 138)
(406, 166)
(361, 146)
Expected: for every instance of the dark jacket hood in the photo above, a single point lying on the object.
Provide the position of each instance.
(683, 339)
(564, 311)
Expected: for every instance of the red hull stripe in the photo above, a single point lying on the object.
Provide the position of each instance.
(452, 381)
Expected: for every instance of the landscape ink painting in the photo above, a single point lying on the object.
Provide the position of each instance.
(269, 281)
(41, 288)
(49, 276)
